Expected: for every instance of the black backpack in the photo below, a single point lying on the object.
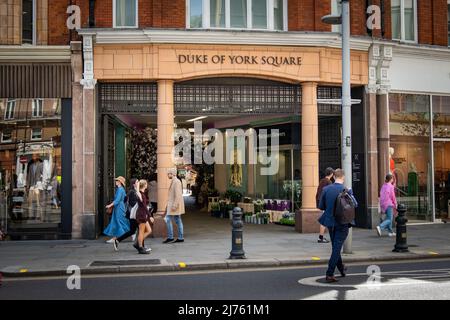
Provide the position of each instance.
(344, 208)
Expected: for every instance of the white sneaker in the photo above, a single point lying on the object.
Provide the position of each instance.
(110, 240)
(133, 237)
(392, 234)
(148, 249)
(379, 231)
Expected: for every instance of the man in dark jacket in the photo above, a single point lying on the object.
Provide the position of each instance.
(329, 172)
(338, 232)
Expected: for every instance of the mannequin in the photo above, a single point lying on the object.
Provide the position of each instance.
(34, 184)
(392, 165)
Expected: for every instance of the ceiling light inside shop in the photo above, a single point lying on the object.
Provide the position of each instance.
(198, 118)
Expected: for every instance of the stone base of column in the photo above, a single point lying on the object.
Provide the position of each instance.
(88, 226)
(306, 220)
(160, 228)
(375, 216)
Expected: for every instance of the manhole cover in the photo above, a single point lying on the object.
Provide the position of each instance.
(125, 263)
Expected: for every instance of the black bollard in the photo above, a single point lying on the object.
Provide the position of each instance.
(401, 243)
(237, 244)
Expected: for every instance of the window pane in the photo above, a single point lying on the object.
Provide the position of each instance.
(238, 13)
(27, 21)
(30, 170)
(125, 13)
(409, 20)
(196, 13)
(410, 161)
(217, 8)
(278, 15)
(259, 14)
(448, 17)
(395, 19)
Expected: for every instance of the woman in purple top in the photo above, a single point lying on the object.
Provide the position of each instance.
(388, 204)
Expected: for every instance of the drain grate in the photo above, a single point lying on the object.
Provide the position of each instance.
(105, 263)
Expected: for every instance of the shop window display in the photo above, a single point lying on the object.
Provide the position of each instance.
(410, 160)
(30, 164)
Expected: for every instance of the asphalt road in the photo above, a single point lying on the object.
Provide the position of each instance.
(423, 280)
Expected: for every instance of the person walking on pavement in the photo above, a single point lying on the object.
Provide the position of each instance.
(119, 223)
(338, 231)
(132, 205)
(175, 207)
(143, 217)
(388, 204)
(329, 172)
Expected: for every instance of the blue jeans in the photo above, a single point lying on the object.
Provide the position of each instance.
(168, 219)
(338, 234)
(387, 223)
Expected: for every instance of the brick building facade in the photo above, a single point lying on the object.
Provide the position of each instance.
(110, 49)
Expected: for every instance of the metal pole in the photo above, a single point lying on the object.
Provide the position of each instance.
(346, 108)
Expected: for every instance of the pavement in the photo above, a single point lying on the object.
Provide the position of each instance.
(207, 247)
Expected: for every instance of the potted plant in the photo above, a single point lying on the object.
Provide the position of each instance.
(233, 195)
(259, 205)
(215, 209)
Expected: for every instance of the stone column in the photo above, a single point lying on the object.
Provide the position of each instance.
(165, 123)
(306, 219)
(77, 132)
(372, 157)
(383, 137)
(84, 174)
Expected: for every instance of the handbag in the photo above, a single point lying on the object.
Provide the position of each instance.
(109, 210)
(133, 212)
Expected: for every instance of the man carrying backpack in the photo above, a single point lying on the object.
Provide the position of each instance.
(339, 206)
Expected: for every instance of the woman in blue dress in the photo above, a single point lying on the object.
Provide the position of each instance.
(119, 223)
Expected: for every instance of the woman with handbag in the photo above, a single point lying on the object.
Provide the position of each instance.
(143, 217)
(119, 223)
(132, 206)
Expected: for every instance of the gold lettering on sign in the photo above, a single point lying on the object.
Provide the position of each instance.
(276, 61)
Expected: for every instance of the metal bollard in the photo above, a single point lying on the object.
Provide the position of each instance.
(401, 243)
(237, 245)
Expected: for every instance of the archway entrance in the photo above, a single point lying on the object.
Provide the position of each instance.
(128, 122)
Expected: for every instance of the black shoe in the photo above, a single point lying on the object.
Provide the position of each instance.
(323, 240)
(142, 250)
(136, 246)
(178, 240)
(331, 279)
(343, 271)
(168, 240)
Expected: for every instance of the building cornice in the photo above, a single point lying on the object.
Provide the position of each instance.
(416, 50)
(23, 54)
(229, 37)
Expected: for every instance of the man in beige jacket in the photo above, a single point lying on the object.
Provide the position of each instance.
(175, 207)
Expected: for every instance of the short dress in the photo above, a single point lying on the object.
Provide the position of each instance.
(142, 214)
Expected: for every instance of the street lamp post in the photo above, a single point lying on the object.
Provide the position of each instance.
(346, 156)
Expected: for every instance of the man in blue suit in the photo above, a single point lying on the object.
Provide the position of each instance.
(338, 232)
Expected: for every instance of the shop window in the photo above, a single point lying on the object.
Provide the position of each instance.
(36, 134)
(237, 14)
(404, 20)
(125, 14)
(10, 109)
(409, 153)
(37, 108)
(28, 21)
(7, 135)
